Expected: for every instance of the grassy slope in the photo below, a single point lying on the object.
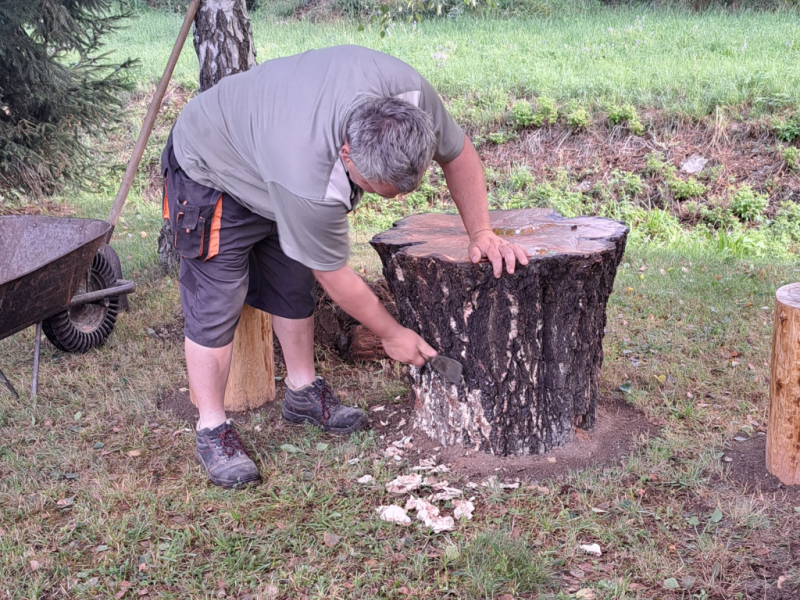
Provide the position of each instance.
(689, 61)
(141, 495)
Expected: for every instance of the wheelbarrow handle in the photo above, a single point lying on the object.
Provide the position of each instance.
(121, 288)
(150, 119)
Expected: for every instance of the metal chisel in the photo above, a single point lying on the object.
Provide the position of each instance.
(448, 368)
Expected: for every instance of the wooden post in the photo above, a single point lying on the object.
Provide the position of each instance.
(252, 378)
(531, 343)
(783, 433)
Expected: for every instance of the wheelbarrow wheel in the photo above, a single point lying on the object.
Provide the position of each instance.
(81, 328)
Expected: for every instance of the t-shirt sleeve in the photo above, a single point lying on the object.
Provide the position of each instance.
(312, 232)
(449, 136)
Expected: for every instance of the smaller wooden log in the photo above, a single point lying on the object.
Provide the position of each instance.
(251, 382)
(783, 433)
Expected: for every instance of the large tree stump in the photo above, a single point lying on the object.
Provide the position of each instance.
(783, 432)
(531, 343)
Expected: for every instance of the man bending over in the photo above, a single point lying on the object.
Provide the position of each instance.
(261, 172)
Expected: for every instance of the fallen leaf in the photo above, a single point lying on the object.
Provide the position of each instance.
(672, 584)
(330, 539)
(142, 592)
(452, 552)
(34, 564)
(124, 585)
(66, 501)
(585, 594)
(143, 234)
(270, 591)
(135, 453)
(781, 579)
(551, 459)
(393, 514)
(577, 573)
(101, 548)
(366, 479)
(404, 484)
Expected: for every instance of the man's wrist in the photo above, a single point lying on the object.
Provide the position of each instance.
(475, 234)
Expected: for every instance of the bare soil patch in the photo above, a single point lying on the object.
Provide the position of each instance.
(619, 428)
(748, 472)
(746, 151)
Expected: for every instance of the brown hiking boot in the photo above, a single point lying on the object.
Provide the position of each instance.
(317, 404)
(222, 454)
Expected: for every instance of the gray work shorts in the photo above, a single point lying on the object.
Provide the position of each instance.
(229, 256)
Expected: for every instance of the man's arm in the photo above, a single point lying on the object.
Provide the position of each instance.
(350, 292)
(464, 175)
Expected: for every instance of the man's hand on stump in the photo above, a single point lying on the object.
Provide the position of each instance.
(408, 347)
(487, 244)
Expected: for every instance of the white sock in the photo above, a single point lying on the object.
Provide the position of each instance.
(210, 421)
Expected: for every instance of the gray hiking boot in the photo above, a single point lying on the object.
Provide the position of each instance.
(221, 452)
(317, 404)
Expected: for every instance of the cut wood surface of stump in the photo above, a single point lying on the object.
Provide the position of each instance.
(531, 343)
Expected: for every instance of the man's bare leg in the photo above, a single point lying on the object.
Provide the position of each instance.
(208, 375)
(297, 344)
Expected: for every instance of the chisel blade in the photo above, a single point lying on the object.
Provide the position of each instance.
(448, 368)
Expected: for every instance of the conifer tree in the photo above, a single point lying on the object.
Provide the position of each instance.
(57, 89)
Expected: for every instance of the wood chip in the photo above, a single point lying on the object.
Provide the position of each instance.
(393, 514)
(404, 484)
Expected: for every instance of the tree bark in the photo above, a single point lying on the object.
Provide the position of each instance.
(223, 40)
(530, 343)
(783, 432)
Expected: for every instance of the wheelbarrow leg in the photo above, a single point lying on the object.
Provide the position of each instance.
(36, 345)
(10, 387)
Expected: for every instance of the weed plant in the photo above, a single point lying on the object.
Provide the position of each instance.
(748, 205)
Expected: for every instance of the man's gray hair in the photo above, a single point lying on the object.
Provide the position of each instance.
(391, 141)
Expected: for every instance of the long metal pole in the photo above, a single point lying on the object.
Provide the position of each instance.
(150, 119)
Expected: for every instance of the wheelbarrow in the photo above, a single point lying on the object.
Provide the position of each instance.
(53, 276)
(60, 274)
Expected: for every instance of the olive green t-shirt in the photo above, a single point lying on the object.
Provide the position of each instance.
(270, 137)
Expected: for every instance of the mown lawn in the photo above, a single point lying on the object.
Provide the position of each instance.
(100, 495)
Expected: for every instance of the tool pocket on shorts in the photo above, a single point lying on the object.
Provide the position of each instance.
(195, 217)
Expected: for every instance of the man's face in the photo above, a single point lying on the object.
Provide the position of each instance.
(386, 190)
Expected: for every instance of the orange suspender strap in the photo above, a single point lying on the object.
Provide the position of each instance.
(216, 222)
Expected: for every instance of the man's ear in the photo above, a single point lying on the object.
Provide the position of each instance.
(345, 152)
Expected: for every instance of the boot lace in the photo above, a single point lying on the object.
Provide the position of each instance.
(326, 398)
(231, 443)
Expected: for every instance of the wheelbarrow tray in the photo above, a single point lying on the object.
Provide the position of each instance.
(43, 261)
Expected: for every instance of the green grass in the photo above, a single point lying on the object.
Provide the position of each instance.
(682, 61)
